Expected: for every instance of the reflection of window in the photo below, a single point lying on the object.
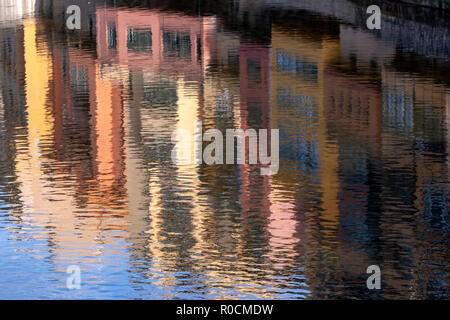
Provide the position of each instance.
(254, 70)
(233, 58)
(112, 37)
(297, 66)
(177, 44)
(79, 78)
(398, 109)
(139, 40)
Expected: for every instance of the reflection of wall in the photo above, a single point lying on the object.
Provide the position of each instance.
(353, 95)
(298, 92)
(105, 124)
(30, 156)
(255, 84)
(255, 113)
(412, 105)
(309, 157)
(40, 125)
(12, 72)
(414, 110)
(362, 49)
(352, 105)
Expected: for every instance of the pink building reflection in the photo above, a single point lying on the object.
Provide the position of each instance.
(153, 40)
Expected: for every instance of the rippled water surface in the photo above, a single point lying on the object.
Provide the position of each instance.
(87, 177)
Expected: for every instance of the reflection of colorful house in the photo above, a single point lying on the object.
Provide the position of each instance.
(353, 114)
(153, 40)
(255, 84)
(163, 98)
(414, 110)
(299, 113)
(309, 156)
(39, 120)
(48, 157)
(43, 203)
(12, 71)
(255, 113)
(353, 105)
(106, 118)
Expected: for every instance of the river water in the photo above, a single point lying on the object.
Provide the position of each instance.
(87, 178)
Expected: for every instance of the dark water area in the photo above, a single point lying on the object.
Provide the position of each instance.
(87, 177)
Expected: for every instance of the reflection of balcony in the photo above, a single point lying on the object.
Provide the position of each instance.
(152, 40)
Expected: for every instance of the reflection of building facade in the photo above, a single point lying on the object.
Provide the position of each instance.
(298, 111)
(372, 110)
(414, 109)
(164, 53)
(53, 151)
(11, 72)
(255, 113)
(153, 40)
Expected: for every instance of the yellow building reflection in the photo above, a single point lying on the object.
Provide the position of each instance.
(49, 187)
